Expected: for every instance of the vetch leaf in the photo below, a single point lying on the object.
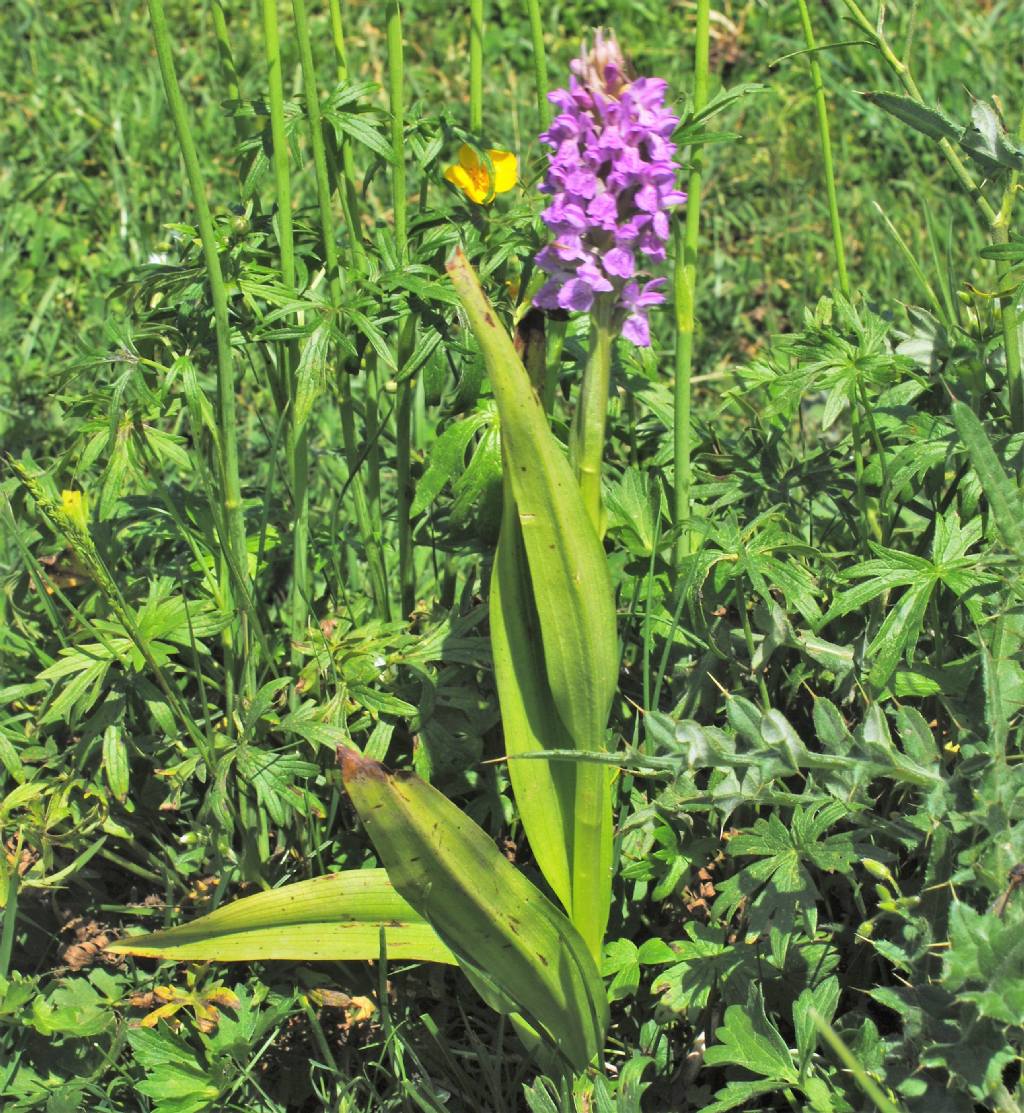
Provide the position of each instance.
(929, 121)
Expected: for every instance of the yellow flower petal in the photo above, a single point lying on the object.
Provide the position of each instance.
(468, 159)
(473, 176)
(469, 184)
(506, 169)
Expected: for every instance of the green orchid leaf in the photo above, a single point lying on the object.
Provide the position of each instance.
(336, 918)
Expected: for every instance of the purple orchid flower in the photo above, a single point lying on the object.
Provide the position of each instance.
(612, 179)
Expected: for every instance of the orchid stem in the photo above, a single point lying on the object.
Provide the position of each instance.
(588, 430)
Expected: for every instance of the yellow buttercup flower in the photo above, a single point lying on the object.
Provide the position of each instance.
(473, 176)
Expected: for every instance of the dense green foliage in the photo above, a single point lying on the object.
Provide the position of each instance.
(819, 714)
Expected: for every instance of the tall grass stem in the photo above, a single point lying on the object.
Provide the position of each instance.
(821, 107)
(234, 539)
(227, 61)
(1008, 300)
(684, 295)
(370, 539)
(540, 62)
(298, 445)
(406, 329)
(349, 190)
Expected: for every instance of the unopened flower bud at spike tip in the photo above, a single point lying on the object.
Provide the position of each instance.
(612, 180)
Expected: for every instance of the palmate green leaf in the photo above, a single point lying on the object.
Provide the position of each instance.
(311, 374)
(337, 918)
(749, 1039)
(572, 592)
(512, 941)
(985, 962)
(898, 633)
(447, 458)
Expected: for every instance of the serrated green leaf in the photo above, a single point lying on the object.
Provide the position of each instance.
(999, 489)
(748, 1039)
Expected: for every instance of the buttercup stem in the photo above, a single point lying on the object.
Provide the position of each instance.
(476, 66)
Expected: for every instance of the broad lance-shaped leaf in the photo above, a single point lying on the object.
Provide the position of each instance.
(544, 790)
(572, 592)
(337, 918)
(497, 923)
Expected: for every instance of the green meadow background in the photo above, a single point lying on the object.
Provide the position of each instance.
(818, 811)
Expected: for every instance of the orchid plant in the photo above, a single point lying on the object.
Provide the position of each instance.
(447, 893)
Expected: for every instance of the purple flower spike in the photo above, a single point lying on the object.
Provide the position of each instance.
(611, 179)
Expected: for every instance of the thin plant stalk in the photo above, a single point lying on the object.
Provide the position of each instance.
(684, 277)
(348, 191)
(282, 172)
(821, 107)
(396, 93)
(297, 444)
(227, 60)
(1008, 301)
(406, 329)
(828, 168)
(371, 540)
(233, 541)
(476, 66)
(540, 62)
(588, 431)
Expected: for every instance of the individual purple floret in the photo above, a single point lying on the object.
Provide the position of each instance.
(611, 179)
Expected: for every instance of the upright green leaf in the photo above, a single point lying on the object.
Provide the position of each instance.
(544, 790)
(572, 592)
